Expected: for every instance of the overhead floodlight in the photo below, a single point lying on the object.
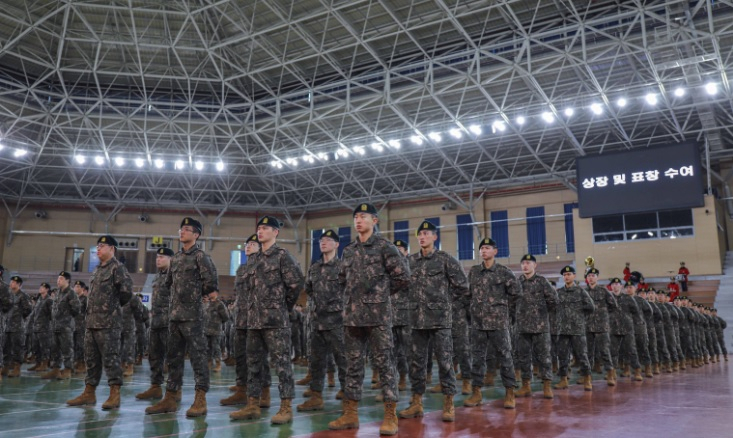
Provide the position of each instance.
(711, 88)
(394, 144)
(651, 99)
(158, 163)
(342, 152)
(178, 164)
(569, 112)
(99, 160)
(139, 162)
(322, 156)
(475, 129)
(597, 109)
(521, 120)
(416, 139)
(377, 147)
(359, 150)
(548, 117)
(621, 102)
(435, 136)
(273, 163)
(81, 159)
(279, 165)
(292, 161)
(2, 146)
(198, 165)
(456, 133)
(679, 91)
(498, 126)
(19, 153)
(220, 166)
(119, 161)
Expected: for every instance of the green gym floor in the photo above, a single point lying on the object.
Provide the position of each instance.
(692, 403)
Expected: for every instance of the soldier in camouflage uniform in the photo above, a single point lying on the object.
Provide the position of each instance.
(677, 316)
(640, 324)
(6, 303)
(494, 291)
(14, 328)
(42, 328)
(574, 306)
(80, 288)
(438, 280)
(597, 323)
(159, 304)
(65, 307)
(132, 312)
(722, 325)
(110, 289)
(622, 331)
(274, 281)
(401, 329)
(685, 323)
(215, 316)
(327, 334)
(141, 332)
(372, 271)
(651, 319)
(192, 276)
(662, 327)
(534, 306)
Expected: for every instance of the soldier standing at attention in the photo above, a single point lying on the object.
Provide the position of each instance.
(42, 325)
(65, 307)
(574, 305)
(275, 281)
(494, 290)
(722, 325)
(111, 288)
(6, 303)
(79, 328)
(14, 330)
(141, 331)
(158, 325)
(327, 334)
(217, 315)
(598, 322)
(192, 276)
(437, 281)
(534, 306)
(640, 323)
(372, 270)
(401, 330)
(622, 331)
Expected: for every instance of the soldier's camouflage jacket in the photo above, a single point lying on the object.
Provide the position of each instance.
(622, 321)
(160, 302)
(110, 288)
(81, 318)
(573, 306)
(132, 312)
(215, 317)
(191, 276)
(65, 307)
(535, 305)
(493, 292)
(43, 315)
(21, 308)
(242, 289)
(604, 302)
(645, 313)
(325, 294)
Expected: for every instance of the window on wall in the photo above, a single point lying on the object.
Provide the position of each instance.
(569, 231)
(315, 245)
(465, 237)
(500, 232)
(536, 232)
(642, 226)
(400, 231)
(435, 221)
(344, 239)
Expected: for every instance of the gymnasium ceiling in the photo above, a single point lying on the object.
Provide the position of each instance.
(286, 96)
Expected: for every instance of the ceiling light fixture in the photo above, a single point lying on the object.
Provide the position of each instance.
(711, 88)
(119, 161)
(569, 112)
(81, 159)
(521, 120)
(436, 137)
(199, 165)
(651, 99)
(621, 102)
(548, 117)
(158, 164)
(416, 139)
(178, 164)
(456, 133)
(597, 109)
(99, 160)
(139, 162)
(679, 91)
(475, 129)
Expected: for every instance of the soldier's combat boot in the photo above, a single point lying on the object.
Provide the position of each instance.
(349, 419)
(250, 412)
(677, 366)
(517, 376)
(669, 368)
(648, 371)
(340, 395)
(535, 370)
(238, 398)
(588, 383)
(198, 408)
(217, 367)
(466, 388)
(88, 397)
(597, 367)
(305, 380)
(475, 399)
(713, 359)
(379, 398)
(637, 375)
(563, 384)
(489, 378)
(168, 404)
(331, 379)
(611, 377)
(509, 402)
(64, 374)
(113, 402)
(547, 389)
(402, 385)
(155, 391)
(231, 361)
(139, 360)
(437, 389)
(285, 414)
(53, 374)
(35, 366)
(314, 403)
(82, 367)
(449, 411)
(307, 393)
(725, 356)
(375, 375)
(627, 371)
(415, 409)
(655, 370)
(525, 390)
(265, 397)
(389, 425)
(43, 366)
(459, 376)
(15, 370)
(4, 371)
(128, 370)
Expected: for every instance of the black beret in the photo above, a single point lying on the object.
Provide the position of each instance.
(630, 283)
(193, 223)
(331, 235)
(46, 285)
(529, 257)
(615, 280)
(366, 208)
(593, 271)
(165, 251)
(426, 225)
(270, 221)
(108, 240)
(65, 274)
(487, 241)
(400, 243)
(636, 276)
(252, 238)
(566, 269)
(79, 283)
(16, 279)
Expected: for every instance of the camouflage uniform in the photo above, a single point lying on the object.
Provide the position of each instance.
(598, 327)
(461, 343)
(651, 322)
(191, 276)
(722, 325)
(493, 292)
(275, 285)
(371, 271)
(42, 327)
(327, 333)
(622, 331)
(640, 330)
(534, 307)
(14, 328)
(6, 303)
(215, 317)
(80, 322)
(65, 307)
(131, 313)
(141, 331)
(160, 303)
(438, 280)
(685, 323)
(296, 332)
(574, 305)
(110, 288)
(677, 316)
(665, 333)
(401, 332)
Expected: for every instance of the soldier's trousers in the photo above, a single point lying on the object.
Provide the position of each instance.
(579, 347)
(324, 342)
(14, 347)
(141, 335)
(652, 335)
(712, 342)
(498, 341)
(43, 342)
(63, 351)
(156, 354)
(102, 348)
(379, 340)
(331, 366)
(461, 346)
(678, 343)
(721, 342)
(599, 342)
(240, 356)
(534, 347)
(642, 345)
(2, 349)
(127, 346)
(213, 345)
(443, 347)
(664, 352)
(627, 345)
(183, 335)
(79, 345)
(277, 343)
(296, 339)
(401, 336)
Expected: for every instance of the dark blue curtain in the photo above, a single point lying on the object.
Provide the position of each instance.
(315, 246)
(435, 221)
(569, 232)
(465, 237)
(400, 231)
(344, 239)
(536, 235)
(500, 232)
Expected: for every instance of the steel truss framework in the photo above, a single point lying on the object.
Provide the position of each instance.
(249, 82)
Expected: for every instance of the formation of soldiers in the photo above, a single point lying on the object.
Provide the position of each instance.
(375, 303)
